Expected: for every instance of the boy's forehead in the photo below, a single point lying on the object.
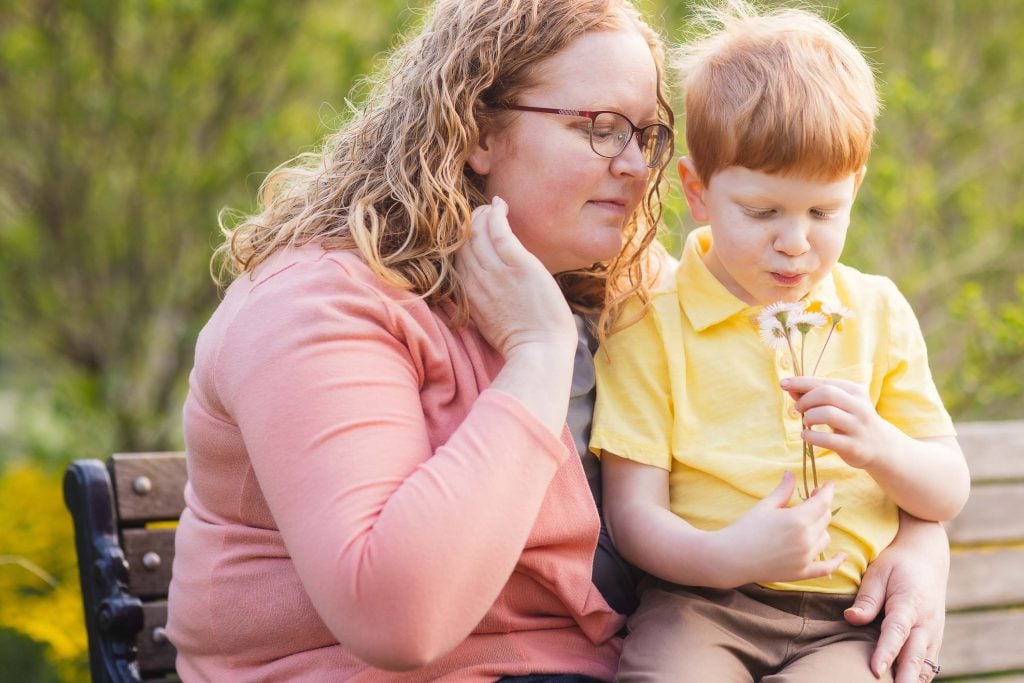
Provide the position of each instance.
(764, 184)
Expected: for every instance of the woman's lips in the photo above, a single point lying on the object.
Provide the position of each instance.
(610, 205)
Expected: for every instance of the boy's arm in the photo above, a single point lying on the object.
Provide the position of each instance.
(771, 542)
(926, 477)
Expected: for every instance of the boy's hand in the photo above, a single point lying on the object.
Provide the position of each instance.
(858, 433)
(775, 542)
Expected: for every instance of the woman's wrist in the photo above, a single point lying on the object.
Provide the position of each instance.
(539, 374)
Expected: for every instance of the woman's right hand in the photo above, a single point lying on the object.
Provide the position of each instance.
(520, 311)
(513, 300)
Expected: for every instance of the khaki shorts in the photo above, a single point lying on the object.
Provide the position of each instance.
(682, 633)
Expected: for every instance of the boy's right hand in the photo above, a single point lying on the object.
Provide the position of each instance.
(776, 542)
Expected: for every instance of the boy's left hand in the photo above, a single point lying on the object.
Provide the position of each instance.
(858, 433)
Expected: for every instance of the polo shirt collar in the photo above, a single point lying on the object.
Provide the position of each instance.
(705, 300)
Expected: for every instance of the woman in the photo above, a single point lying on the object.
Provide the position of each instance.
(380, 479)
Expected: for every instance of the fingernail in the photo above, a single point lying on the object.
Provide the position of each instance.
(882, 669)
(786, 381)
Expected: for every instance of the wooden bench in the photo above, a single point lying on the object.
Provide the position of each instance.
(125, 563)
(985, 604)
(124, 559)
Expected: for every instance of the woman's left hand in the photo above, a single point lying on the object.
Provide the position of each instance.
(908, 579)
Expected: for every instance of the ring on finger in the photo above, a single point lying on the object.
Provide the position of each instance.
(934, 665)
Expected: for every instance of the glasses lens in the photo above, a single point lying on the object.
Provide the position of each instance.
(656, 144)
(610, 133)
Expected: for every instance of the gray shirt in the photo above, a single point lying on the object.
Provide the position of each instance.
(613, 576)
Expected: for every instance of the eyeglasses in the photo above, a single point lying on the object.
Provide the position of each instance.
(610, 132)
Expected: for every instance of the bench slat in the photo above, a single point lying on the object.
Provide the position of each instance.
(148, 581)
(156, 654)
(986, 578)
(994, 450)
(981, 642)
(162, 499)
(992, 514)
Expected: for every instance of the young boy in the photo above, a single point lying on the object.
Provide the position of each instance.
(699, 442)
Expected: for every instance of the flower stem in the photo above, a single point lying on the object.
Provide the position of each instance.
(807, 492)
(803, 344)
(822, 352)
(792, 354)
(814, 465)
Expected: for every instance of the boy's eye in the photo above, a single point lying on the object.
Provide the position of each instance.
(823, 214)
(758, 213)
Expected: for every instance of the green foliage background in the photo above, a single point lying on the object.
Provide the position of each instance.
(126, 126)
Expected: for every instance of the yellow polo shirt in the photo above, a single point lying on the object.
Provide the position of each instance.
(691, 388)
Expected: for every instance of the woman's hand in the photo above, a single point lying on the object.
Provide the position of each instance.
(908, 579)
(520, 311)
(513, 300)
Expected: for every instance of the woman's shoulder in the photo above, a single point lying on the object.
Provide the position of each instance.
(305, 290)
(313, 267)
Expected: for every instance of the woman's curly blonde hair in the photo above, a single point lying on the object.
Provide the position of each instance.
(394, 183)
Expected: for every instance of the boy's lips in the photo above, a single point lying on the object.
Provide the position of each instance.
(788, 279)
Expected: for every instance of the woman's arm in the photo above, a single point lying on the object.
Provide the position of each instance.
(402, 543)
(519, 309)
(908, 581)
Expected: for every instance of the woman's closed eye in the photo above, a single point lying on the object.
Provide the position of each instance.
(603, 133)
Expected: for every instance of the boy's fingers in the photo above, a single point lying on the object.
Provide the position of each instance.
(781, 494)
(824, 493)
(824, 567)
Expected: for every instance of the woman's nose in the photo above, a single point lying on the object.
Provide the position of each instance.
(630, 161)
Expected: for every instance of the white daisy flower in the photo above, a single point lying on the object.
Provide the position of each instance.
(778, 311)
(805, 321)
(773, 333)
(836, 313)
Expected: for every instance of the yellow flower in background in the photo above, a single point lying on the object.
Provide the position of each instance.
(40, 597)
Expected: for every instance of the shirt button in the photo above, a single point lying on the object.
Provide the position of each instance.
(785, 362)
(793, 413)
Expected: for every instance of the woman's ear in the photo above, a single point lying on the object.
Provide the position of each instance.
(479, 158)
(693, 189)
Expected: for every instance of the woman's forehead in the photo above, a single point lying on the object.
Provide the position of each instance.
(602, 66)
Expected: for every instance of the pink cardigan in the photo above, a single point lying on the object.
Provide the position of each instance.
(353, 481)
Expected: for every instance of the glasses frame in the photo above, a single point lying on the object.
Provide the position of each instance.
(635, 130)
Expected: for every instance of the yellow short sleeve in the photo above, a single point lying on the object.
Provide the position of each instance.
(633, 412)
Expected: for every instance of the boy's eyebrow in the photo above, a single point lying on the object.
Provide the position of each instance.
(766, 198)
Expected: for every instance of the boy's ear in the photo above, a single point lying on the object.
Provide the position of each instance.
(858, 178)
(693, 189)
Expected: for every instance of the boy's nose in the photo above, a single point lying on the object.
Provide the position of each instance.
(792, 239)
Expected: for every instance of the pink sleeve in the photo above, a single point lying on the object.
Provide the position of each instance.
(402, 550)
